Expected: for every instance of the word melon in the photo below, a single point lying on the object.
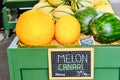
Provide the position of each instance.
(67, 30)
(35, 28)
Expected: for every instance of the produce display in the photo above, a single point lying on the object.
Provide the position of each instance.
(66, 22)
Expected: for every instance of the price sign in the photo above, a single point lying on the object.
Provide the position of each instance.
(87, 41)
(71, 63)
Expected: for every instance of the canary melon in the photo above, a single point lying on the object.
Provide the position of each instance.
(67, 30)
(35, 28)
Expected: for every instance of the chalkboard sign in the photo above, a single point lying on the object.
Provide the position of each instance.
(71, 63)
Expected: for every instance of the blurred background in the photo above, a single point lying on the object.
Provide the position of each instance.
(1, 25)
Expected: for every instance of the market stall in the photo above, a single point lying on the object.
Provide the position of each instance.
(67, 53)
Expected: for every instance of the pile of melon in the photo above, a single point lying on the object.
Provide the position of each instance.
(65, 22)
(37, 28)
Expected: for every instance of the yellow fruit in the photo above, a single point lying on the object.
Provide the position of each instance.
(105, 8)
(55, 2)
(42, 0)
(67, 30)
(88, 3)
(77, 4)
(35, 28)
(44, 6)
(99, 2)
(61, 11)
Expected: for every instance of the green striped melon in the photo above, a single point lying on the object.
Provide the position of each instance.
(105, 28)
(84, 16)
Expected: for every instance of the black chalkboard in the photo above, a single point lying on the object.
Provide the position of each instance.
(73, 63)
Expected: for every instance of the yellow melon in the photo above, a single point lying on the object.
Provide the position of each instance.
(61, 11)
(105, 8)
(67, 30)
(55, 2)
(88, 3)
(42, 0)
(99, 2)
(44, 6)
(35, 28)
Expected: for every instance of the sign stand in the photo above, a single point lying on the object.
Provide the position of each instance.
(71, 63)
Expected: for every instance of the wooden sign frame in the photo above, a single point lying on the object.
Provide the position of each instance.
(71, 49)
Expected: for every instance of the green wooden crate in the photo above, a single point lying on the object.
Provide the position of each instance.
(19, 3)
(32, 63)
